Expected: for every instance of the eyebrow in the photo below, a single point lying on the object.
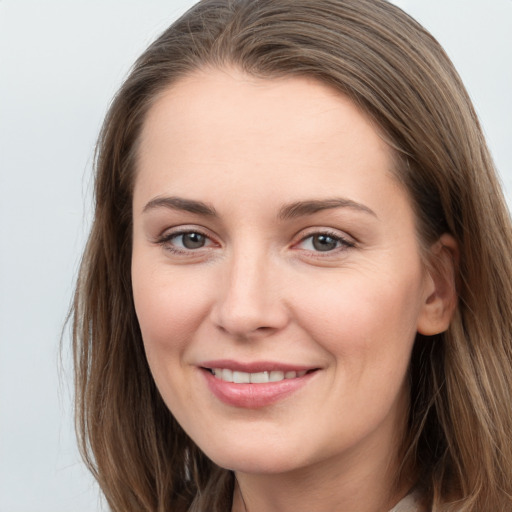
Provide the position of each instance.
(179, 203)
(289, 211)
(303, 208)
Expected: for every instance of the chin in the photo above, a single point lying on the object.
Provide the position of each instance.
(259, 458)
(256, 464)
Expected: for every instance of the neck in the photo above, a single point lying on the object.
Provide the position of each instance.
(305, 491)
(363, 482)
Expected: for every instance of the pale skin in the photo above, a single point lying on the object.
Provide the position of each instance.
(268, 226)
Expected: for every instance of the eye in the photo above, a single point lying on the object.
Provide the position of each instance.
(184, 241)
(324, 242)
(191, 240)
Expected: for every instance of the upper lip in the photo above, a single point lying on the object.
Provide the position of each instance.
(255, 366)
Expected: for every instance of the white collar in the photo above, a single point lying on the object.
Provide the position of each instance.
(411, 503)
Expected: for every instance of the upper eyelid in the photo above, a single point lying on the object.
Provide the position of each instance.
(315, 230)
(344, 242)
(303, 234)
(165, 240)
(169, 232)
(186, 232)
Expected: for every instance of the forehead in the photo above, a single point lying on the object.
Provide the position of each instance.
(223, 126)
(211, 99)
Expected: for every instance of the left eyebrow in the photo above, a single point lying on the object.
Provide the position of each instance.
(303, 208)
(180, 203)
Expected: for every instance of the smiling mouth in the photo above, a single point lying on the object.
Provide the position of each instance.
(239, 377)
(256, 384)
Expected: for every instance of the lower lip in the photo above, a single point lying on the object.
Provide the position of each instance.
(254, 396)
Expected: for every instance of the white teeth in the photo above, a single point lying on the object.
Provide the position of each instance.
(241, 377)
(223, 374)
(255, 378)
(276, 376)
(259, 378)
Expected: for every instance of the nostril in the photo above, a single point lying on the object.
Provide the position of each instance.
(244, 330)
(265, 329)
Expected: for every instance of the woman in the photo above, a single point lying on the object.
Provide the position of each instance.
(296, 292)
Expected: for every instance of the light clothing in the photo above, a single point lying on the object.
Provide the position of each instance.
(411, 503)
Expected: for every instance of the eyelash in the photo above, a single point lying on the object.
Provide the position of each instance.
(166, 241)
(341, 242)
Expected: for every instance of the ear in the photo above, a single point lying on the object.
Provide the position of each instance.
(440, 291)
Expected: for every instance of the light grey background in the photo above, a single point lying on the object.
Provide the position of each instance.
(60, 63)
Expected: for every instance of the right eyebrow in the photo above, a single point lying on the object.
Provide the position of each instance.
(180, 203)
(304, 208)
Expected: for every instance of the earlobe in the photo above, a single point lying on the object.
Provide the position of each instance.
(441, 289)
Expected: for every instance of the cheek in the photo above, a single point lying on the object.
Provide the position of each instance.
(364, 321)
(170, 307)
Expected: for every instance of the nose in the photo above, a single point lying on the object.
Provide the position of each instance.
(249, 301)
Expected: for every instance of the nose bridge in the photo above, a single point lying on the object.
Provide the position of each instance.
(249, 299)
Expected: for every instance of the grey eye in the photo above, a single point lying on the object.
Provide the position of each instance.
(324, 243)
(191, 240)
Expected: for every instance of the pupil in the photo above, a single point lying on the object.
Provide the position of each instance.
(324, 243)
(193, 240)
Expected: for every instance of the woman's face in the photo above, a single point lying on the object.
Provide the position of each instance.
(276, 272)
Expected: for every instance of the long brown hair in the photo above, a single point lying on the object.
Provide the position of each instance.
(460, 422)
